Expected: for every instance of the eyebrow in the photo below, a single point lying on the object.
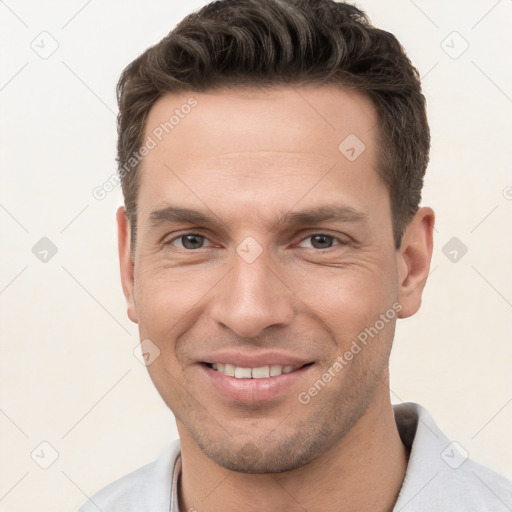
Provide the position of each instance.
(330, 213)
(174, 214)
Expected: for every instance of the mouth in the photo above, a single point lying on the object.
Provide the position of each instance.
(261, 372)
(264, 383)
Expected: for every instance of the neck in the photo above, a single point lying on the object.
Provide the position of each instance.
(364, 471)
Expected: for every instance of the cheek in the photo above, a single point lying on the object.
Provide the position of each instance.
(166, 297)
(165, 305)
(347, 298)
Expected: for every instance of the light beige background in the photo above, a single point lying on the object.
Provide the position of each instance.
(69, 375)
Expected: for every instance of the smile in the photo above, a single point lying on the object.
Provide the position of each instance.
(262, 372)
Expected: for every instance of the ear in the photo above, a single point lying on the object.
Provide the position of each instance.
(126, 261)
(414, 258)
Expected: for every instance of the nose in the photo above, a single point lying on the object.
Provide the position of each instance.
(252, 298)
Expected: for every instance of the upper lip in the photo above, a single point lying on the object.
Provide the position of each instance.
(254, 360)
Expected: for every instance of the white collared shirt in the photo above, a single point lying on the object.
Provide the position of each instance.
(439, 476)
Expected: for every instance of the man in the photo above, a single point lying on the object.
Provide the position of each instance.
(272, 155)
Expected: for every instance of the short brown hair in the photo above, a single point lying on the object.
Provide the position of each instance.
(265, 43)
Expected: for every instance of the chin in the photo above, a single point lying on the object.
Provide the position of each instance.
(250, 459)
(276, 455)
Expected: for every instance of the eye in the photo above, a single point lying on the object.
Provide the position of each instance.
(319, 241)
(189, 241)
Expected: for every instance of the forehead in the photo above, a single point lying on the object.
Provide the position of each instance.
(238, 144)
(278, 118)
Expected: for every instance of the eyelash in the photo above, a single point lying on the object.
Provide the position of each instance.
(183, 235)
(336, 240)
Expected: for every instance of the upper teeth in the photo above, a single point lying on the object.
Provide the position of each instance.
(261, 372)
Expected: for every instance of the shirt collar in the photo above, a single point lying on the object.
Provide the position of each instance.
(175, 485)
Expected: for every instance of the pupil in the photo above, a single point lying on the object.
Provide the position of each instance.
(321, 241)
(192, 241)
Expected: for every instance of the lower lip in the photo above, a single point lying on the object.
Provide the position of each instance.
(253, 390)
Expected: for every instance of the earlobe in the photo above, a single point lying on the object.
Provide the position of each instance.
(414, 258)
(126, 261)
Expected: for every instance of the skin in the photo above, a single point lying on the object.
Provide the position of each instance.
(245, 159)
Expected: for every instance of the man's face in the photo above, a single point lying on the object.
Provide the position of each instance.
(262, 244)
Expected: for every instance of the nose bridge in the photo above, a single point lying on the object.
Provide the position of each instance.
(252, 298)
